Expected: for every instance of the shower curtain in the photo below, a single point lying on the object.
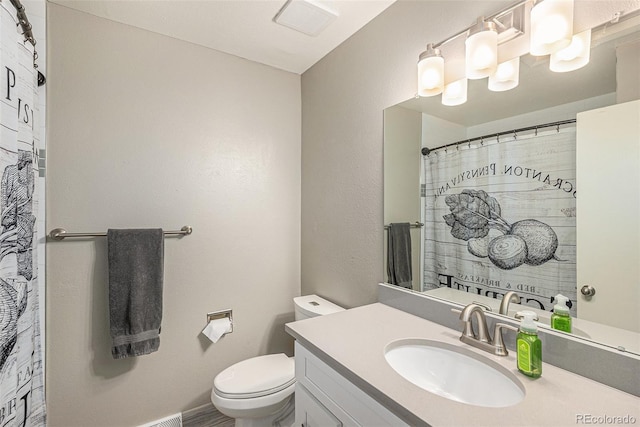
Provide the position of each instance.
(500, 216)
(21, 355)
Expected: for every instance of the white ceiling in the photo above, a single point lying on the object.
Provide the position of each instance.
(243, 28)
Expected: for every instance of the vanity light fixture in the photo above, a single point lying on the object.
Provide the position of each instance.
(481, 50)
(481, 41)
(574, 56)
(550, 31)
(430, 72)
(551, 26)
(455, 93)
(506, 77)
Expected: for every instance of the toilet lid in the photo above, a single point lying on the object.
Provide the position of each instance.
(255, 377)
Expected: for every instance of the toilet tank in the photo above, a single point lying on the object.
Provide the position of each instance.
(312, 306)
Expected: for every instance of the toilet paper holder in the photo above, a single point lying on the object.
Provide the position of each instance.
(221, 314)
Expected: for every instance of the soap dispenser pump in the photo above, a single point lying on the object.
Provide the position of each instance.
(560, 319)
(529, 346)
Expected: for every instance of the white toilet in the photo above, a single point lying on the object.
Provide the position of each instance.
(258, 392)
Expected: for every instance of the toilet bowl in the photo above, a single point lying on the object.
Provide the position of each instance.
(255, 389)
(258, 392)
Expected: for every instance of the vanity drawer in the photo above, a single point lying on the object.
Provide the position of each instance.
(350, 405)
(310, 412)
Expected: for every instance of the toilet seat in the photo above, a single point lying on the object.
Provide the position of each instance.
(256, 377)
(257, 406)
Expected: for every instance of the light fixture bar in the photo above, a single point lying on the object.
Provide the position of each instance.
(496, 15)
(481, 44)
(506, 10)
(451, 38)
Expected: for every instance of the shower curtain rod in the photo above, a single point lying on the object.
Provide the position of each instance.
(28, 35)
(24, 22)
(61, 233)
(426, 151)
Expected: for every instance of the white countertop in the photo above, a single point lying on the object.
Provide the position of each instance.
(353, 342)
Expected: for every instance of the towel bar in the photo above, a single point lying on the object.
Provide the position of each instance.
(416, 224)
(61, 233)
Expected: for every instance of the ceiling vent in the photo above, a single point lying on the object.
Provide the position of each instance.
(305, 16)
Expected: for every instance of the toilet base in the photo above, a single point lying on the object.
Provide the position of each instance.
(285, 417)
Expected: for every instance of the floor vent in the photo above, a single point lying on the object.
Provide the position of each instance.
(170, 421)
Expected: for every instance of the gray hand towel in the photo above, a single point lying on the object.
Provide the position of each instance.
(136, 267)
(399, 254)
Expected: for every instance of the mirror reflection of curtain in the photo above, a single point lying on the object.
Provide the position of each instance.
(21, 353)
(500, 216)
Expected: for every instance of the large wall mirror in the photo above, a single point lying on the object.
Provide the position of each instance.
(610, 79)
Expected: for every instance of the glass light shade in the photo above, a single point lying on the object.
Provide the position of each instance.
(430, 75)
(455, 93)
(507, 76)
(481, 54)
(574, 56)
(551, 26)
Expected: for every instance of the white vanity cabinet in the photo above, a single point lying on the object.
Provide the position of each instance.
(325, 398)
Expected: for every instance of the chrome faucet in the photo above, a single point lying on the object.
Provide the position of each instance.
(508, 298)
(482, 339)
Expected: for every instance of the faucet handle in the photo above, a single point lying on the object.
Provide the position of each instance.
(519, 316)
(485, 307)
(498, 343)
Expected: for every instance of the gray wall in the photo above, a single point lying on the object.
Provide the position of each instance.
(627, 71)
(148, 131)
(343, 98)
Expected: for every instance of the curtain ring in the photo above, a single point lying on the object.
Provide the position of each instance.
(468, 143)
(558, 128)
(458, 146)
(515, 134)
(498, 137)
(536, 131)
(482, 141)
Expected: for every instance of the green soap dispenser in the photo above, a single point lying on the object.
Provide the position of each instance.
(560, 319)
(529, 347)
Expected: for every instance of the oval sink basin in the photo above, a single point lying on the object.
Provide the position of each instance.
(454, 372)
